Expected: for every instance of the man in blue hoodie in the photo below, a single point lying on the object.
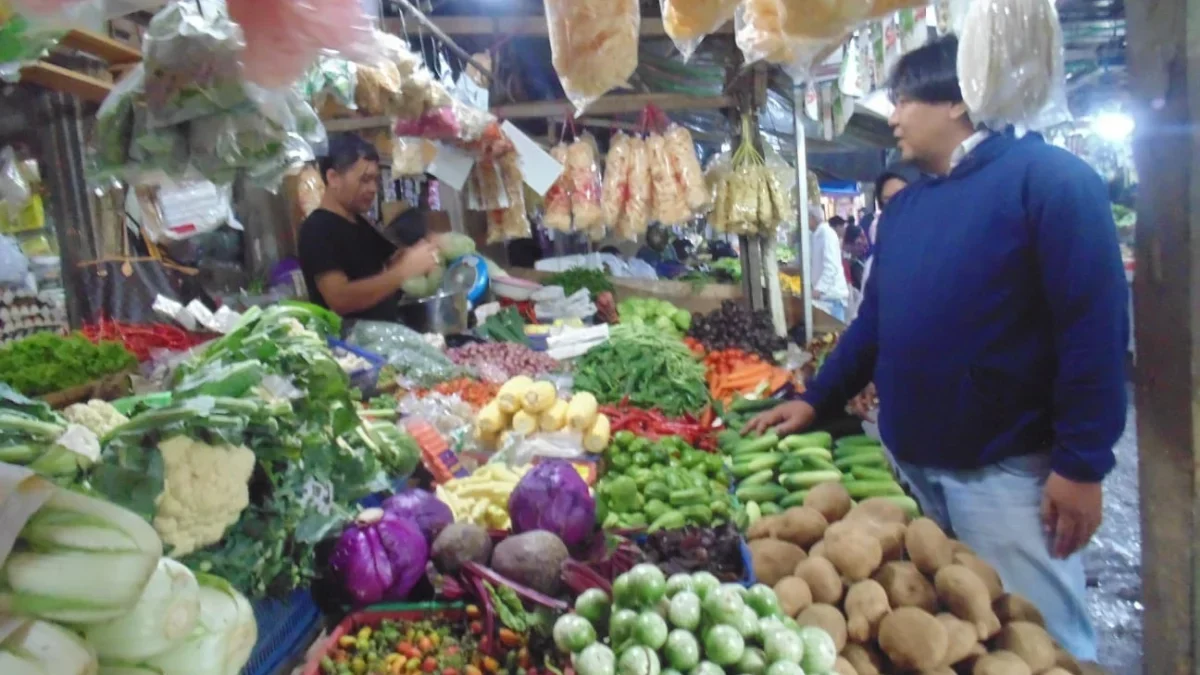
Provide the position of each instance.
(994, 327)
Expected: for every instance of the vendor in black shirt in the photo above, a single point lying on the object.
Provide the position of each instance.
(348, 265)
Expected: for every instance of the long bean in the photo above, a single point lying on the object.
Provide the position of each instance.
(651, 370)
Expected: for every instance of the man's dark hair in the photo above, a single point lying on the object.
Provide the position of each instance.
(853, 232)
(836, 222)
(344, 152)
(928, 74)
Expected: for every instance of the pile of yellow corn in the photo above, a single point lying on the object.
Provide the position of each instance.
(791, 283)
(526, 407)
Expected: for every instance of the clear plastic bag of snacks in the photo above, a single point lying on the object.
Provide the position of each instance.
(558, 198)
(616, 179)
(584, 175)
(669, 205)
(593, 45)
(635, 218)
(687, 22)
(686, 167)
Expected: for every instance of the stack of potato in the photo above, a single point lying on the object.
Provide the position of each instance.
(898, 596)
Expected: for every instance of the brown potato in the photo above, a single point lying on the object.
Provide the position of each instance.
(829, 619)
(879, 509)
(855, 553)
(928, 546)
(822, 578)
(967, 596)
(802, 526)
(794, 595)
(844, 667)
(831, 499)
(986, 573)
(906, 586)
(1012, 607)
(1000, 663)
(774, 559)
(866, 605)
(764, 528)
(1029, 641)
(964, 642)
(913, 639)
(865, 658)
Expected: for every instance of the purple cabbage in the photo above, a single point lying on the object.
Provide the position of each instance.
(553, 497)
(427, 511)
(380, 556)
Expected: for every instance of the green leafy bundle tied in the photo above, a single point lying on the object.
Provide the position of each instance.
(651, 369)
(575, 278)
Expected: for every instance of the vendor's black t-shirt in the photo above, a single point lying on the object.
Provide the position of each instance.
(329, 242)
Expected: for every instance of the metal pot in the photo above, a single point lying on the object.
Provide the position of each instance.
(445, 313)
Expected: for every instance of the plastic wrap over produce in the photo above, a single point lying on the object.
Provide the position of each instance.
(1010, 64)
(329, 86)
(284, 37)
(687, 22)
(670, 207)
(685, 164)
(635, 217)
(794, 33)
(616, 180)
(593, 45)
(416, 361)
(193, 66)
(584, 175)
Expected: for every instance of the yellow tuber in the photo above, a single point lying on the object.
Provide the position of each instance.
(854, 553)
(965, 594)
(1000, 663)
(524, 423)
(491, 420)
(1012, 607)
(928, 546)
(829, 619)
(866, 605)
(913, 639)
(1029, 641)
(830, 499)
(794, 595)
(822, 579)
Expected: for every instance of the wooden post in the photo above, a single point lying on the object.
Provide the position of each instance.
(1166, 88)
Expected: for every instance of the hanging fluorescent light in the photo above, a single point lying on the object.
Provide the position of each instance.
(1113, 126)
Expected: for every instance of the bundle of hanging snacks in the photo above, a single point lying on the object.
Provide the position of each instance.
(593, 45)
(635, 214)
(687, 22)
(750, 198)
(685, 164)
(669, 205)
(616, 179)
(795, 32)
(558, 197)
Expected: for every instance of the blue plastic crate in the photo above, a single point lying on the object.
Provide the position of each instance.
(285, 628)
(366, 379)
(748, 579)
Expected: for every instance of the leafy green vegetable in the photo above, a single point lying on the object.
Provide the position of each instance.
(575, 278)
(48, 362)
(505, 326)
(652, 369)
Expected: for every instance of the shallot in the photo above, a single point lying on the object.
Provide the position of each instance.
(500, 361)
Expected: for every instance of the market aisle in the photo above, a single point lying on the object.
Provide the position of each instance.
(1114, 563)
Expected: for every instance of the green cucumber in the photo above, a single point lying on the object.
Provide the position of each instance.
(806, 479)
(860, 439)
(753, 405)
(813, 439)
(806, 452)
(687, 497)
(771, 508)
(794, 499)
(857, 450)
(865, 489)
(756, 464)
(876, 461)
(762, 443)
(822, 465)
(761, 478)
(760, 493)
(871, 473)
(910, 505)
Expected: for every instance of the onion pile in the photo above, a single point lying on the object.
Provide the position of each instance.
(501, 361)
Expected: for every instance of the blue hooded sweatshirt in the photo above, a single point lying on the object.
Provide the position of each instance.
(995, 322)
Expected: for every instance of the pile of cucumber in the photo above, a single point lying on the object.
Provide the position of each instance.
(773, 474)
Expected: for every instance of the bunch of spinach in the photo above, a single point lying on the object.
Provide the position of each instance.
(47, 362)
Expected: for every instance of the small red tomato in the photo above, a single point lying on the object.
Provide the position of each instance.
(429, 665)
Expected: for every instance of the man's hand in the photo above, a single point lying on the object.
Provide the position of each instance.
(416, 260)
(1071, 513)
(786, 418)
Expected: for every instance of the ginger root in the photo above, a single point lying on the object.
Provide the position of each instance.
(822, 578)
(913, 639)
(906, 586)
(829, 619)
(831, 499)
(866, 605)
(967, 596)
(928, 546)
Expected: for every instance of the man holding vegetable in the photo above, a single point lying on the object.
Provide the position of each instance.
(994, 326)
(348, 265)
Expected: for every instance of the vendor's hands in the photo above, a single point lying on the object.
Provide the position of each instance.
(785, 418)
(416, 260)
(1071, 513)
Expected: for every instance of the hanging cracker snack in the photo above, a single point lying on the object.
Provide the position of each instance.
(635, 218)
(593, 45)
(669, 205)
(687, 22)
(686, 165)
(558, 197)
(584, 176)
(616, 179)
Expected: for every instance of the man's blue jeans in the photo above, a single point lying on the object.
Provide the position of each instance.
(997, 511)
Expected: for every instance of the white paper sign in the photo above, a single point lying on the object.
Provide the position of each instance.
(451, 166)
(537, 166)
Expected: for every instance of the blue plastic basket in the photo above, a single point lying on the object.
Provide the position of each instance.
(285, 628)
(748, 579)
(366, 379)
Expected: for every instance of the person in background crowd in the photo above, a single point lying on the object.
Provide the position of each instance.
(838, 224)
(995, 328)
(829, 288)
(855, 246)
(893, 179)
(348, 265)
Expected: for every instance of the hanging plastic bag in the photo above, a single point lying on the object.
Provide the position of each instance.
(881, 8)
(593, 45)
(1010, 64)
(795, 33)
(558, 197)
(687, 22)
(193, 66)
(669, 205)
(412, 156)
(114, 122)
(685, 164)
(329, 86)
(283, 38)
(716, 176)
(781, 181)
(616, 179)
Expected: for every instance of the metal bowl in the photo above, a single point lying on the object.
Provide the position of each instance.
(444, 313)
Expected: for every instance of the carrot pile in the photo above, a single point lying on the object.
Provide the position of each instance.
(733, 371)
(475, 392)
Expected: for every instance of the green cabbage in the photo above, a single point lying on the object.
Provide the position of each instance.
(454, 245)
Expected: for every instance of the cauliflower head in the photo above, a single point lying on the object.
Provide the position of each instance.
(205, 490)
(99, 416)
